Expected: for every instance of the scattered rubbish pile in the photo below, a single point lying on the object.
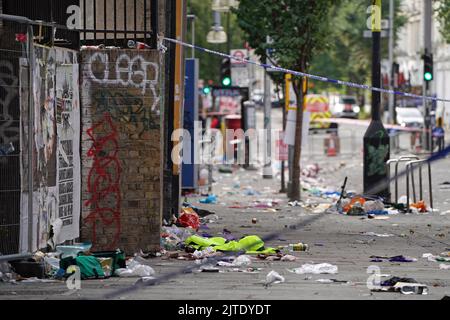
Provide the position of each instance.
(404, 285)
(172, 237)
(353, 204)
(74, 259)
(187, 243)
(357, 205)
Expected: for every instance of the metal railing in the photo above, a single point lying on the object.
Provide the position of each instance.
(113, 22)
(397, 163)
(410, 166)
(15, 74)
(411, 163)
(49, 20)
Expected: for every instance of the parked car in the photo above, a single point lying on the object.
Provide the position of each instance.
(409, 117)
(258, 98)
(344, 107)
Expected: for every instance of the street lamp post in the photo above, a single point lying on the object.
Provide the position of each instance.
(267, 168)
(376, 138)
(391, 62)
(192, 18)
(428, 14)
(217, 35)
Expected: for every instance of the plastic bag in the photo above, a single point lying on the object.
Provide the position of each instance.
(189, 220)
(73, 250)
(135, 269)
(242, 261)
(323, 268)
(212, 199)
(376, 205)
(273, 277)
(51, 265)
(138, 271)
(207, 252)
(179, 234)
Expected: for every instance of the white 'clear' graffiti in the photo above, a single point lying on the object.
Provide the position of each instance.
(133, 72)
(9, 85)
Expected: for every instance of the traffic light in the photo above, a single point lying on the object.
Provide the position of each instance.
(206, 90)
(428, 67)
(225, 72)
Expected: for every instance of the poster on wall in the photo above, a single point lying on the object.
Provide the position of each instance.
(56, 157)
(66, 224)
(45, 138)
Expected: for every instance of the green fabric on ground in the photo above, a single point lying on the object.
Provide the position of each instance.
(200, 243)
(251, 244)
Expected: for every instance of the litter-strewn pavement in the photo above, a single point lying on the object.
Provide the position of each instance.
(354, 251)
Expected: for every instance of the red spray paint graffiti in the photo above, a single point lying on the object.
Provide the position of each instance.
(103, 180)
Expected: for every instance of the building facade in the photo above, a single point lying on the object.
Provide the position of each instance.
(408, 54)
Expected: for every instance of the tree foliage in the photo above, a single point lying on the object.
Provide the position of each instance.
(298, 28)
(348, 54)
(443, 12)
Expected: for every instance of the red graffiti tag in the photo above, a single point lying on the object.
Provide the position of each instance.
(103, 180)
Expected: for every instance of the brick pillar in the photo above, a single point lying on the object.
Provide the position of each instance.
(121, 149)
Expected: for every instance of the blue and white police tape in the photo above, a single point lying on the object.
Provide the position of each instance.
(307, 75)
(366, 123)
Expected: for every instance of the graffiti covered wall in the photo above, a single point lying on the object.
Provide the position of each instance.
(121, 149)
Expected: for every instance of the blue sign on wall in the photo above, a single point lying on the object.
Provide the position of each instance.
(189, 171)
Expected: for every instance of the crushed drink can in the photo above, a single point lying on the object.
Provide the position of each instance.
(300, 247)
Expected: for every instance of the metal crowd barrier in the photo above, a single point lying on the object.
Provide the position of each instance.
(397, 162)
(410, 166)
(411, 162)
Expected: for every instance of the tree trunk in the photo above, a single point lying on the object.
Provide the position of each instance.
(294, 193)
(283, 163)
